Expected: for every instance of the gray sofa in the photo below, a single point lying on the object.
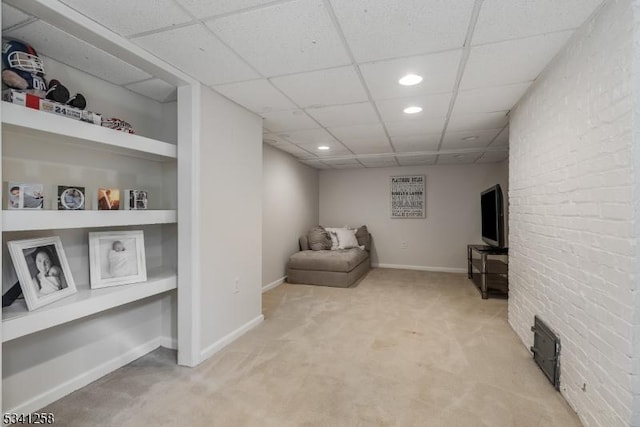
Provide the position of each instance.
(338, 268)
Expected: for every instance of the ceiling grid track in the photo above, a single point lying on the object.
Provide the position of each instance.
(355, 65)
(466, 51)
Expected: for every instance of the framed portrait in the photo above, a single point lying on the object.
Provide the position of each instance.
(25, 196)
(42, 269)
(116, 258)
(108, 199)
(408, 196)
(70, 198)
(135, 200)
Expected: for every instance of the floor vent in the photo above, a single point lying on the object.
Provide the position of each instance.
(546, 351)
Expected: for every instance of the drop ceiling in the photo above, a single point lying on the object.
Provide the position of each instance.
(325, 72)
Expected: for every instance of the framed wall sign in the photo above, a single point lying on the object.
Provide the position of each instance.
(408, 196)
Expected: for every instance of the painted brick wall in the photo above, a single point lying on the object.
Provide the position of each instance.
(573, 255)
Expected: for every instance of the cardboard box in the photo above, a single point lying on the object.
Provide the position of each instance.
(31, 101)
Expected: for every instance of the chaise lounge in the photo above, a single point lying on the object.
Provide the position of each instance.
(341, 266)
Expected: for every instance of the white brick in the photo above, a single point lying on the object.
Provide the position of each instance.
(574, 255)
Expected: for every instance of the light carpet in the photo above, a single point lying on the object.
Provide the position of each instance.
(402, 348)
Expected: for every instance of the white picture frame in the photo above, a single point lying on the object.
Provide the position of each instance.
(116, 258)
(41, 266)
(408, 196)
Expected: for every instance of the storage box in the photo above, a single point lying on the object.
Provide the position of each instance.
(32, 101)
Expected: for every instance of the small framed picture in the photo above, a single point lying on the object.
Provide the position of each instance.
(117, 258)
(135, 200)
(108, 199)
(42, 269)
(25, 196)
(70, 198)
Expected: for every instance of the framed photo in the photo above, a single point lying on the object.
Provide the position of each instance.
(135, 200)
(408, 196)
(116, 258)
(70, 198)
(108, 199)
(42, 269)
(25, 196)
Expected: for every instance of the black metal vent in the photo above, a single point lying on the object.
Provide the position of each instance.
(546, 351)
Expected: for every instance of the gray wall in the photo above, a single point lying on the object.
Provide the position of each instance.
(361, 196)
(231, 220)
(290, 208)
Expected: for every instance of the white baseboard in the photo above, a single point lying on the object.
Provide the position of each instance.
(274, 284)
(229, 338)
(422, 268)
(58, 392)
(169, 342)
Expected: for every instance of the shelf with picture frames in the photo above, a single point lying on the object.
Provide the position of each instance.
(17, 321)
(25, 220)
(16, 118)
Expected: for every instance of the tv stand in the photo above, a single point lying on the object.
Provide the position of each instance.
(489, 275)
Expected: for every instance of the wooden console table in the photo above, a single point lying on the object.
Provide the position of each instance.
(489, 275)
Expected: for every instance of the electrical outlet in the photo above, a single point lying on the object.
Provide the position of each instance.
(404, 245)
(236, 285)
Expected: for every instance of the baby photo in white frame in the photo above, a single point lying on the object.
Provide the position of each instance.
(117, 258)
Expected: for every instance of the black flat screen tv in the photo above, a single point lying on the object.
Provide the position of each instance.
(492, 216)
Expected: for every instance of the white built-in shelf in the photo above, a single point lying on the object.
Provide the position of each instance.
(18, 322)
(25, 220)
(40, 123)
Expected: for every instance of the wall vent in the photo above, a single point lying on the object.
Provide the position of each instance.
(546, 351)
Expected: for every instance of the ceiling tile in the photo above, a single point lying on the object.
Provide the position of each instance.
(280, 121)
(155, 89)
(370, 131)
(462, 158)
(349, 166)
(463, 139)
(258, 96)
(477, 121)
(310, 136)
(317, 164)
(500, 20)
(514, 61)
(197, 52)
(493, 157)
(491, 99)
(321, 88)
(128, 17)
(336, 162)
(207, 8)
(12, 16)
(417, 160)
(49, 41)
(285, 38)
(502, 139)
(415, 127)
(343, 115)
(436, 105)
(390, 29)
(294, 150)
(438, 71)
(335, 149)
(376, 162)
(369, 146)
(409, 144)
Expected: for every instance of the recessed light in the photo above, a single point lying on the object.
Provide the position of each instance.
(470, 138)
(412, 110)
(410, 80)
(323, 147)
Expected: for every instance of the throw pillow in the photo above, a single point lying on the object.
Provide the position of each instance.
(346, 238)
(334, 237)
(364, 239)
(319, 239)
